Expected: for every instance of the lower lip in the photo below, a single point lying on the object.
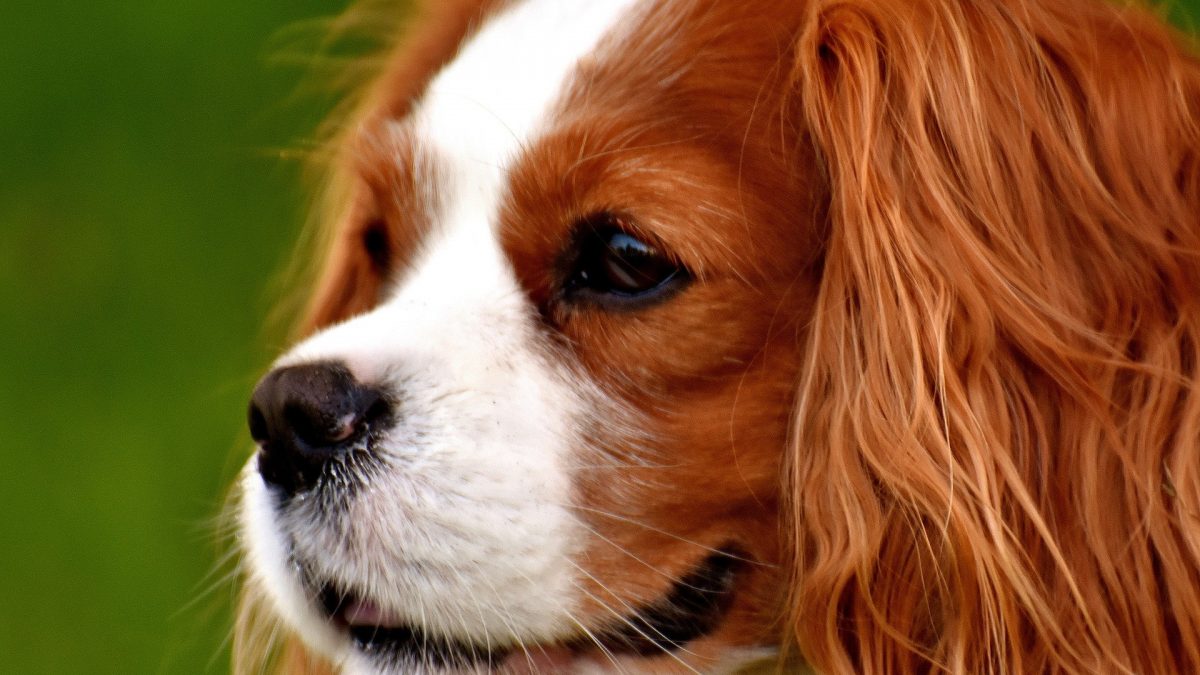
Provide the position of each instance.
(537, 659)
(534, 660)
(364, 613)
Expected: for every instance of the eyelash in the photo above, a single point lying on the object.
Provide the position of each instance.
(612, 268)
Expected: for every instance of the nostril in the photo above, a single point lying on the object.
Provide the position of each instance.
(258, 424)
(320, 428)
(306, 422)
(378, 410)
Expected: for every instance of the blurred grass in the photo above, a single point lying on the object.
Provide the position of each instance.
(143, 210)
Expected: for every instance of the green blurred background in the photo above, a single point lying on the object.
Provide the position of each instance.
(147, 200)
(147, 205)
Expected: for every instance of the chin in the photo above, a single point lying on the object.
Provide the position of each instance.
(714, 336)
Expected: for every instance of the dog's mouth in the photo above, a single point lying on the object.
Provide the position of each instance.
(693, 607)
(380, 633)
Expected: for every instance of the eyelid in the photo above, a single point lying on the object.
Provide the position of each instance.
(587, 282)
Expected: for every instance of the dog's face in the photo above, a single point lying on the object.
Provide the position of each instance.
(546, 433)
(658, 334)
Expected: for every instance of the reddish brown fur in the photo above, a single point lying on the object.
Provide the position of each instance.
(966, 231)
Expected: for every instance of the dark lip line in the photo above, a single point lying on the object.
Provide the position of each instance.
(692, 608)
(406, 641)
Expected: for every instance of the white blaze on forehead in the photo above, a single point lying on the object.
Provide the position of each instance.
(490, 101)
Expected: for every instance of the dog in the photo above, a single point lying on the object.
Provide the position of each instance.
(700, 336)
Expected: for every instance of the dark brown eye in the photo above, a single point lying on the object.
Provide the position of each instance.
(377, 245)
(615, 268)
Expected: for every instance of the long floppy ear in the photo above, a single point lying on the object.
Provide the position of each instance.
(995, 465)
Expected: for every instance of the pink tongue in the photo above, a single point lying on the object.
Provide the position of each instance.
(367, 613)
(539, 661)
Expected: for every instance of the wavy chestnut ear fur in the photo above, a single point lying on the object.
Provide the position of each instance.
(997, 441)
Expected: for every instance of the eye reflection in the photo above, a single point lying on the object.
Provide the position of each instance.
(612, 265)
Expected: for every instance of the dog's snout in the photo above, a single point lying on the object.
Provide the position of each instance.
(303, 417)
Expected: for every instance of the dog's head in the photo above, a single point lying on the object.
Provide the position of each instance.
(659, 334)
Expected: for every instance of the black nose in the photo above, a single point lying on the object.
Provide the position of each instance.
(303, 417)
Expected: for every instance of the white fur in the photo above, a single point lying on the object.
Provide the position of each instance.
(467, 530)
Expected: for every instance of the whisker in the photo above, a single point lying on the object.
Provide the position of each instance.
(210, 582)
(665, 533)
(506, 617)
(623, 619)
(593, 637)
